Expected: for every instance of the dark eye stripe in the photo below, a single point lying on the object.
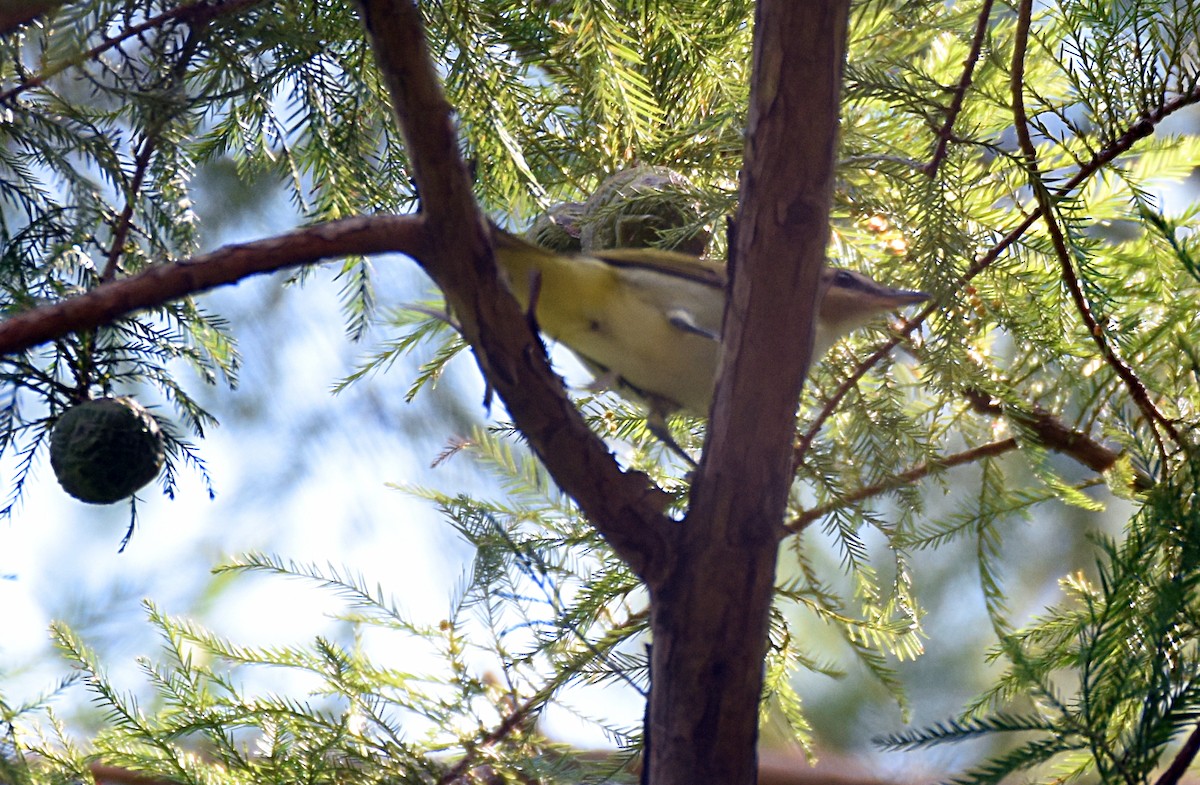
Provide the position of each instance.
(844, 279)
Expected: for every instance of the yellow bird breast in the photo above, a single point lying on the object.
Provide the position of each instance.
(660, 334)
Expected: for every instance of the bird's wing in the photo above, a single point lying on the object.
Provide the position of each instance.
(686, 321)
(702, 271)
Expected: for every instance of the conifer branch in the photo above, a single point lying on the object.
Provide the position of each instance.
(145, 153)
(1182, 761)
(120, 234)
(946, 132)
(1137, 389)
(115, 775)
(450, 240)
(625, 507)
(1046, 429)
(163, 283)
(200, 12)
(935, 466)
(830, 406)
(511, 722)
(1141, 129)
(1053, 434)
(141, 163)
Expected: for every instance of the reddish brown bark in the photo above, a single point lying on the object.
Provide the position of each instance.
(709, 613)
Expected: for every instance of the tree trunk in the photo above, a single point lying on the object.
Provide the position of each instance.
(709, 611)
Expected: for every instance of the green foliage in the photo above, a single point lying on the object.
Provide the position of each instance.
(421, 323)
(103, 139)
(1104, 684)
(362, 720)
(112, 109)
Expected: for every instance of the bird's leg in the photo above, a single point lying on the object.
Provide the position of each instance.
(656, 423)
(535, 291)
(603, 382)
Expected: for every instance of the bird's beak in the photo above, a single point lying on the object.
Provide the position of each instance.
(898, 298)
(849, 295)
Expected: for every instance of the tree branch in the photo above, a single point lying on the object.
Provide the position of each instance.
(709, 613)
(120, 234)
(946, 132)
(115, 775)
(775, 768)
(1139, 130)
(624, 506)
(512, 721)
(227, 265)
(1046, 429)
(201, 11)
(1182, 761)
(830, 405)
(1046, 204)
(934, 466)
(150, 141)
(1053, 434)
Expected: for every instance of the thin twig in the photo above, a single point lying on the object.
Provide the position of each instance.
(145, 153)
(500, 732)
(934, 466)
(1182, 761)
(230, 264)
(198, 11)
(946, 133)
(1139, 130)
(1044, 428)
(827, 410)
(1046, 204)
(141, 163)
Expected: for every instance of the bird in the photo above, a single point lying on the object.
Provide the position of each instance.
(647, 322)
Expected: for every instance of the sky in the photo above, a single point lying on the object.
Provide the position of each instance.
(309, 477)
(298, 473)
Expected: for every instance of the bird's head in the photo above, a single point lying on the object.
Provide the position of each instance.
(851, 299)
